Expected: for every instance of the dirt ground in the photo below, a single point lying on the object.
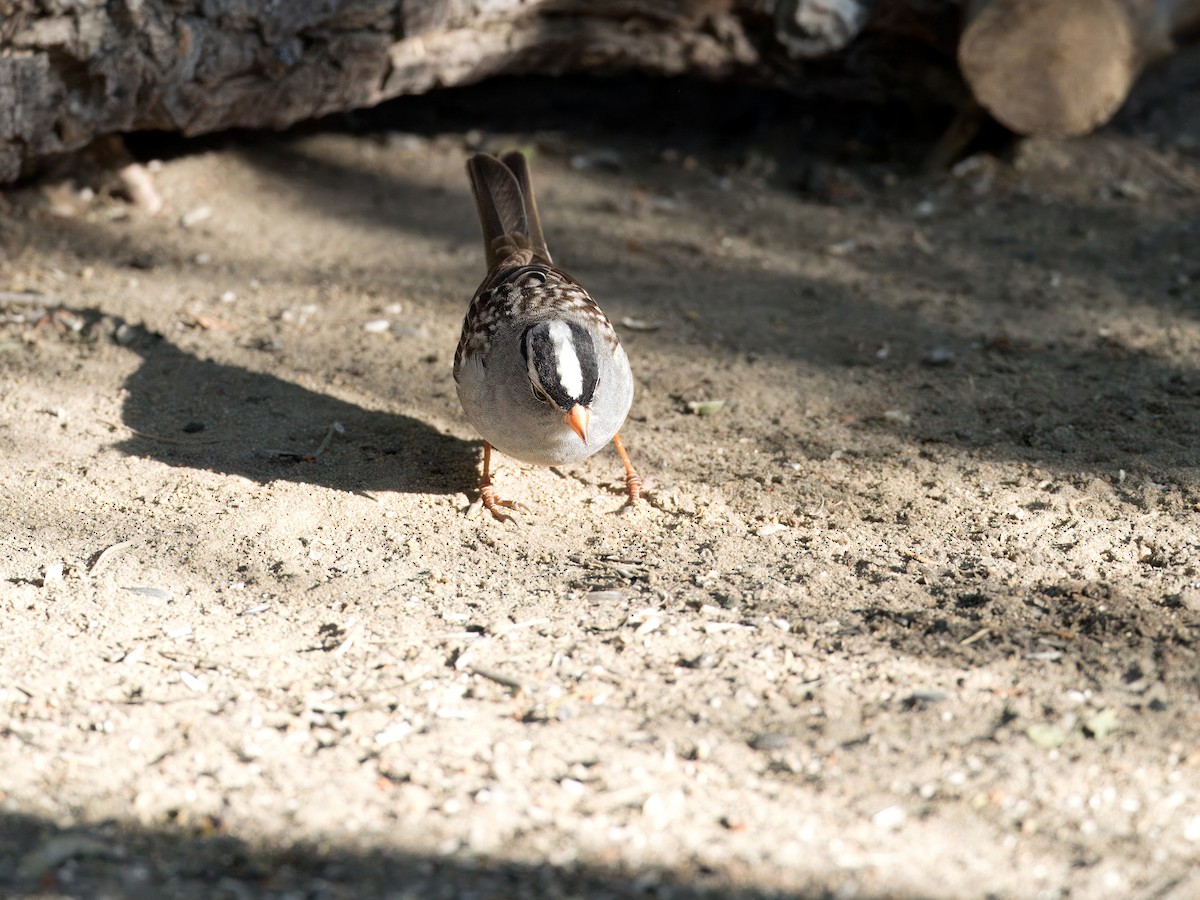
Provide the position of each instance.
(913, 614)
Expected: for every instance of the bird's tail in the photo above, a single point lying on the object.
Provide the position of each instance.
(507, 207)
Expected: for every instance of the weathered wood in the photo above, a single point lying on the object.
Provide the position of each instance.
(71, 70)
(1064, 67)
(74, 69)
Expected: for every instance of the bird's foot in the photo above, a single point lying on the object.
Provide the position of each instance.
(496, 506)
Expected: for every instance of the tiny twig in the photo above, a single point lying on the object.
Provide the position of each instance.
(161, 438)
(1177, 175)
(982, 632)
(106, 554)
(335, 428)
(513, 626)
(350, 634)
(499, 677)
(29, 298)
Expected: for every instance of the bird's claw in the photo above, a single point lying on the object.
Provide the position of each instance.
(496, 506)
(633, 487)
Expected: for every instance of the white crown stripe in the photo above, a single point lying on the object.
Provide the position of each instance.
(570, 374)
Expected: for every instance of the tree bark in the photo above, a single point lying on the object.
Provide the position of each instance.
(71, 70)
(74, 69)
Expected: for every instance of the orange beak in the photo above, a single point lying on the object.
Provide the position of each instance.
(577, 418)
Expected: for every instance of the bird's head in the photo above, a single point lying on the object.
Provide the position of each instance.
(560, 359)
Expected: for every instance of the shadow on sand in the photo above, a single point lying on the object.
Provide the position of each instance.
(197, 413)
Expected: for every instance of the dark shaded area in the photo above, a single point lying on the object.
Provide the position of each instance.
(718, 120)
(196, 413)
(1087, 626)
(117, 860)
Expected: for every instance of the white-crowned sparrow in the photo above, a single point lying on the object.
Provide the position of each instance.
(540, 371)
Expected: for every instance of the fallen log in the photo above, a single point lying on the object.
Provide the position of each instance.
(76, 69)
(73, 70)
(1064, 67)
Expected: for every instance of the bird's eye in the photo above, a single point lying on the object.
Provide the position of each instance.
(534, 278)
(538, 394)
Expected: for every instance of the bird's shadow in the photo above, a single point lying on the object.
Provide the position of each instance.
(196, 413)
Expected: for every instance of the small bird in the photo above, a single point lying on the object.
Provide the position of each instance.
(540, 371)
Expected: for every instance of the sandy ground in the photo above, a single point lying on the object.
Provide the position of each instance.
(914, 614)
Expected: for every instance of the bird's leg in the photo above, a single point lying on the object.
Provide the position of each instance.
(487, 491)
(633, 481)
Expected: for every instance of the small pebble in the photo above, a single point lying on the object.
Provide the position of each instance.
(969, 166)
(125, 335)
(194, 217)
(770, 740)
(1045, 735)
(405, 142)
(605, 596)
(393, 734)
(1128, 190)
(639, 324)
(139, 184)
(155, 593)
(1101, 724)
(377, 326)
(573, 787)
(926, 696)
(1191, 831)
(705, 407)
(889, 818)
(193, 682)
(649, 625)
(608, 160)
